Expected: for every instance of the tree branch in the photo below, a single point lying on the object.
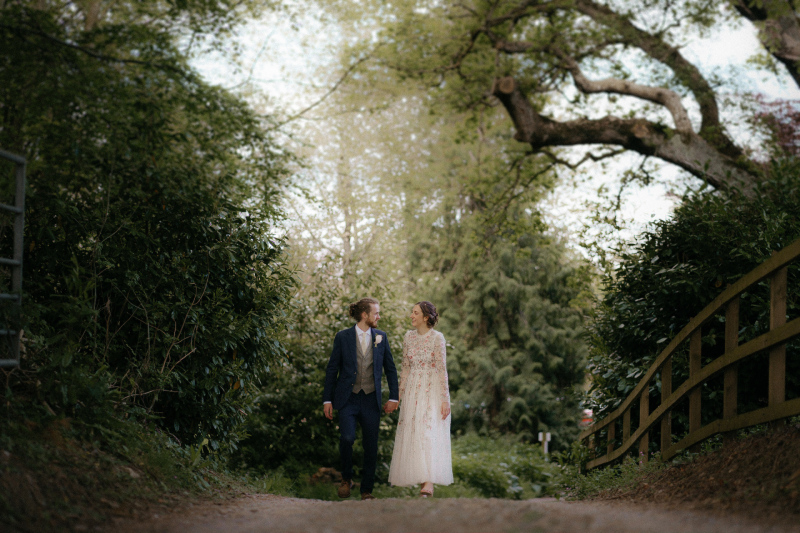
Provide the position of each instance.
(669, 99)
(687, 73)
(688, 151)
(335, 86)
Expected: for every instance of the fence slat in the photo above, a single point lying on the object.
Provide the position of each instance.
(626, 425)
(666, 390)
(762, 343)
(644, 413)
(774, 342)
(777, 356)
(730, 393)
(761, 416)
(695, 365)
(612, 434)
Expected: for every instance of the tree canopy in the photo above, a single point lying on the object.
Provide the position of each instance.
(610, 76)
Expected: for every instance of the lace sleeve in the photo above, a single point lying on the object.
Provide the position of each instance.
(406, 367)
(440, 351)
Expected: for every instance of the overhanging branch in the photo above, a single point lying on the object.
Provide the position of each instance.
(688, 150)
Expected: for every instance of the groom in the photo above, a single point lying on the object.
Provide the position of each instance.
(353, 387)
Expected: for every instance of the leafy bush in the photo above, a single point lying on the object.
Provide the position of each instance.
(676, 269)
(153, 285)
(502, 467)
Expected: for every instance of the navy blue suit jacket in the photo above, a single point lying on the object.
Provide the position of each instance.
(340, 375)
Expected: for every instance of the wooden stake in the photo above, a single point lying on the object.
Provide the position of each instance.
(666, 391)
(644, 412)
(695, 364)
(731, 376)
(777, 356)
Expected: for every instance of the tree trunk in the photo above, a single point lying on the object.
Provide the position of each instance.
(779, 30)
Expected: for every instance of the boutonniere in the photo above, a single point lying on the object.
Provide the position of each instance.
(378, 339)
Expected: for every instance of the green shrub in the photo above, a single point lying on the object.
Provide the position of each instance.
(499, 467)
(153, 284)
(674, 271)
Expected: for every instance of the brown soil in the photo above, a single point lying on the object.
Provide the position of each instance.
(276, 514)
(758, 476)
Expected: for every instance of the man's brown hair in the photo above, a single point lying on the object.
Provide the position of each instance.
(364, 305)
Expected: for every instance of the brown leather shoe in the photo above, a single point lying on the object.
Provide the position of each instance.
(344, 488)
(367, 496)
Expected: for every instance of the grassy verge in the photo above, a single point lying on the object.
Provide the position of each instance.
(757, 474)
(65, 475)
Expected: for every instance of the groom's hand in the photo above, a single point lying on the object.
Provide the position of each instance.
(390, 406)
(327, 410)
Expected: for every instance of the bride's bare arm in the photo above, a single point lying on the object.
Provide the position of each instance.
(405, 370)
(440, 351)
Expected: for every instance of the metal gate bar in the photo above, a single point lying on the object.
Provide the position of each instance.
(18, 209)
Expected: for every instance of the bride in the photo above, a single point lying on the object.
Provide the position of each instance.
(422, 444)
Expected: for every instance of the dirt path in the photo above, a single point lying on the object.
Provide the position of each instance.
(274, 514)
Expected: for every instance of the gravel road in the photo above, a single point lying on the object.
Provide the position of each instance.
(274, 514)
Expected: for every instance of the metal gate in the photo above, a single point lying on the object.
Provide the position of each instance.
(12, 300)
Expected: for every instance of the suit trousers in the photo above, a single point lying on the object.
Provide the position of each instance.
(362, 409)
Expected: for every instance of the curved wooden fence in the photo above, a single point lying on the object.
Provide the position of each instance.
(774, 341)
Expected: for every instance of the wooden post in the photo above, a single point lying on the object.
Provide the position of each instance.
(777, 355)
(644, 412)
(612, 435)
(666, 391)
(731, 375)
(626, 425)
(695, 364)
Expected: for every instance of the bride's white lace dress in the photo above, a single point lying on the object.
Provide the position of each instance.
(422, 443)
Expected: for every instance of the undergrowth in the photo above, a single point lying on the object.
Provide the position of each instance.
(483, 467)
(63, 473)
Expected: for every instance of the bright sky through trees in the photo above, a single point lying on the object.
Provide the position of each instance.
(286, 62)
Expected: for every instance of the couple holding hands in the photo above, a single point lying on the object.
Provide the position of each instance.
(360, 355)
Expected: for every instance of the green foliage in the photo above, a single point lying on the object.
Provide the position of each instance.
(626, 475)
(502, 467)
(511, 296)
(287, 427)
(153, 283)
(676, 269)
(517, 353)
(483, 467)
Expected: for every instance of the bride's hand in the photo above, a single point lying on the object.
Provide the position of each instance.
(445, 409)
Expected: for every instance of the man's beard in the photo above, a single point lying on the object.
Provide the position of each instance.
(372, 323)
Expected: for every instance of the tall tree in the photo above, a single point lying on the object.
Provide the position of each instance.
(608, 75)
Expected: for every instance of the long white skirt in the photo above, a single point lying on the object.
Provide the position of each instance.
(422, 443)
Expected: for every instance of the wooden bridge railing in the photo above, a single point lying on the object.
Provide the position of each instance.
(774, 341)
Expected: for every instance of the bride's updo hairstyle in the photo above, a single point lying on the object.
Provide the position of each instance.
(428, 313)
(364, 305)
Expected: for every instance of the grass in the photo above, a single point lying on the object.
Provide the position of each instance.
(61, 474)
